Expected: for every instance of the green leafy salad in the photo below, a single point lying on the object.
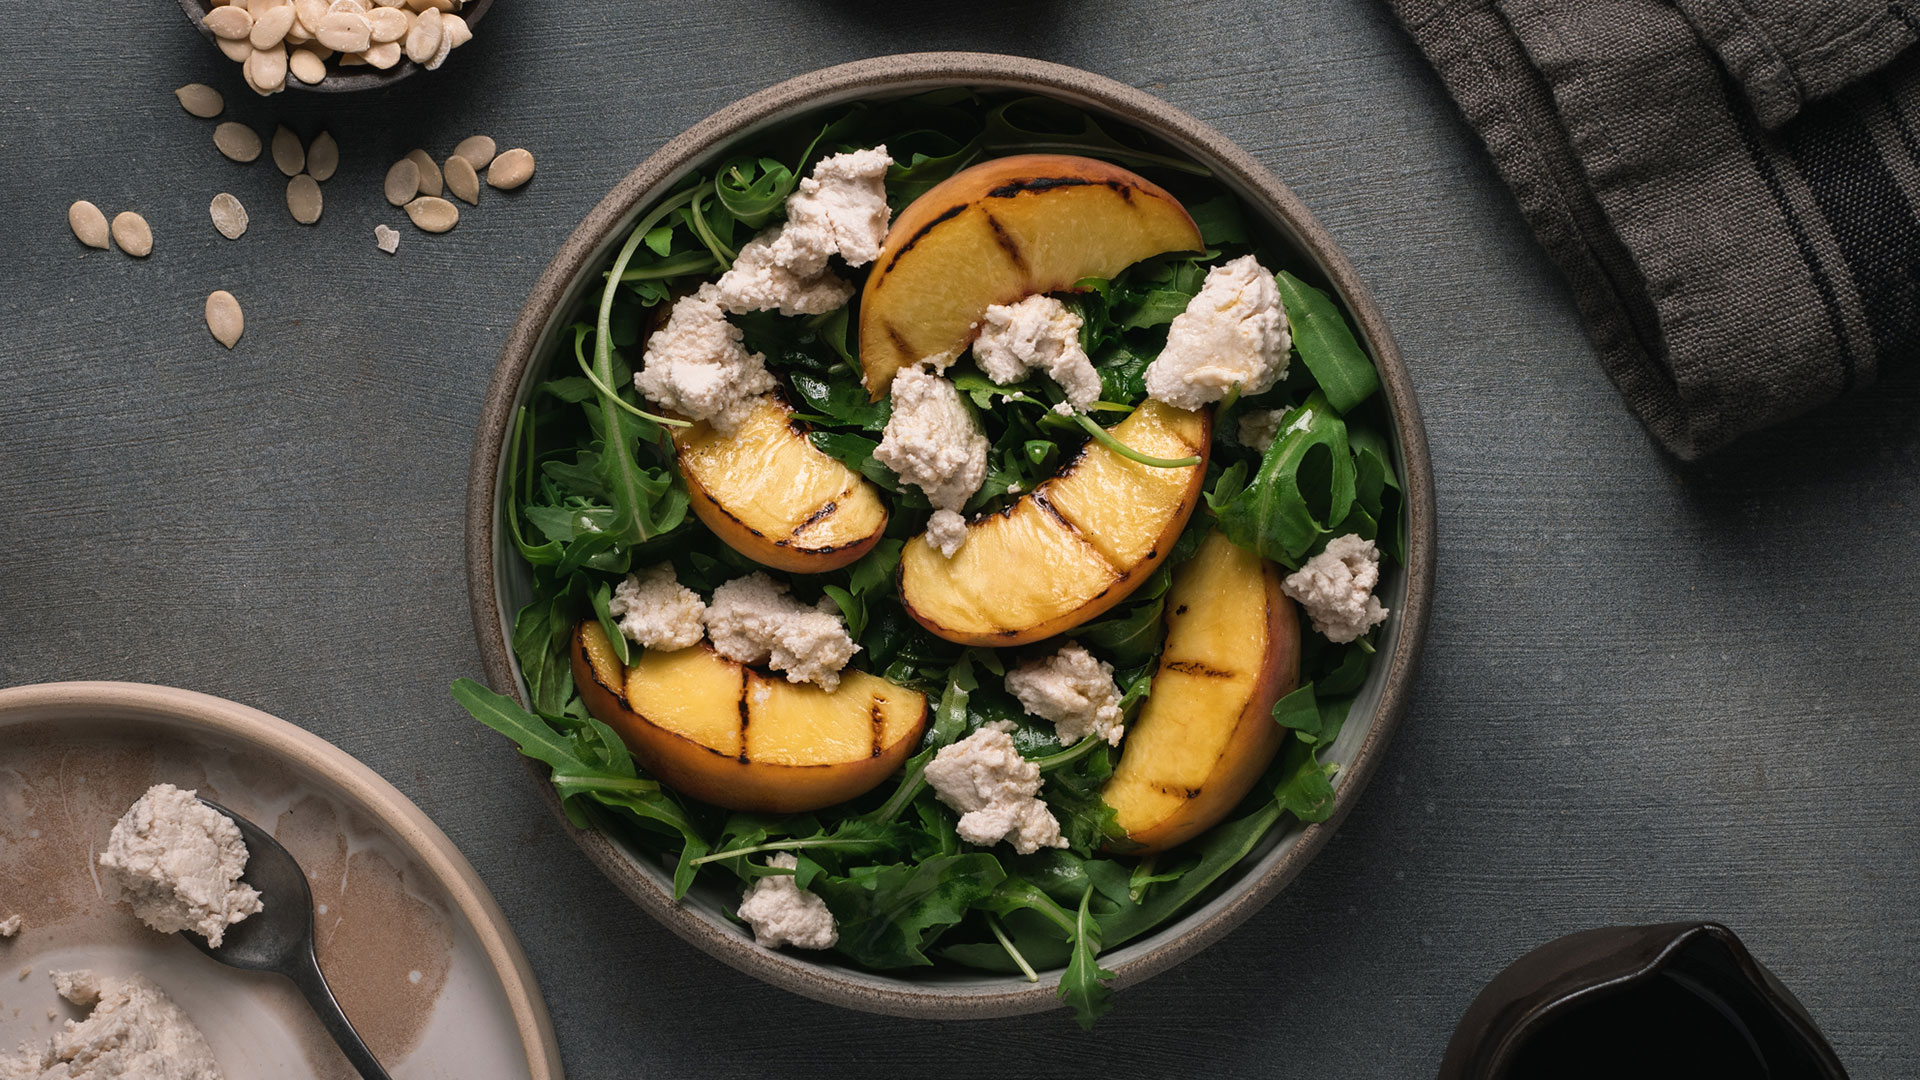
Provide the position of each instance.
(595, 492)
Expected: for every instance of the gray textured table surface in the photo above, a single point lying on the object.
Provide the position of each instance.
(1650, 692)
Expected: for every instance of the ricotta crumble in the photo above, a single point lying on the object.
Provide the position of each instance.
(753, 620)
(758, 281)
(1074, 690)
(780, 912)
(995, 790)
(178, 863)
(933, 443)
(656, 611)
(840, 209)
(698, 366)
(1232, 333)
(1336, 588)
(1037, 333)
(135, 1032)
(11, 925)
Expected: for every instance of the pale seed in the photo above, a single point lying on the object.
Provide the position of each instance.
(306, 65)
(423, 41)
(303, 199)
(88, 223)
(323, 157)
(237, 141)
(433, 215)
(201, 100)
(236, 50)
(288, 155)
(297, 34)
(352, 59)
(228, 215)
(463, 181)
(271, 28)
(456, 31)
(310, 12)
(231, 23)
(267, 69)
(130, 231)
(403, 181)
(354, 6)
(477, 149)
(386, 238)
(511, 169)
(391, 3)
(224, 318)
(344, 31)
(429, 172)
(262, 7)
(384, 55)
(388, 24)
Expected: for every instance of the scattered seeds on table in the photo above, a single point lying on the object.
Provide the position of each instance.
(230, 22)
(288, 155)
(88, 223)
(511, 169)
(403, 181)
(303, 199)
(477, 149)
(462, 180)
(201, 100)
(386, 238)
(237, 141)
(228, 215)
(270, 28)
(130, 231)
(323, 157)
(423, 41)
(434, 215)
(429, 172)
(224, 318)
(306, 65)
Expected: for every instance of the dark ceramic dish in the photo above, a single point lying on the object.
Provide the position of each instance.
(340, 80)
(497, 579)
(1502, 1031)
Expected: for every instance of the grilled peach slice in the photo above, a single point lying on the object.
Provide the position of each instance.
(771, 495)
(1070, 549)
(996, 232)
(1206, 732)
(743, 739)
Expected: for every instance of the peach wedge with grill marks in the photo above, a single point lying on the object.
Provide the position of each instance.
(999, 231)
(744, 739)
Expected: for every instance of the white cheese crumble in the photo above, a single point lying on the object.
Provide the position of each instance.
(995, 789)
(946, 531)
(1233, 333)
(1075, 691)
(656, 611)
(782, 913)
(1259, 428)
(697, 365)
(933, 443)
(758, 282)
(11, 925)
(135, 1032)
(839, 209)
(1037, 333)
(178, 863)
(1336, 588)
(752, 620)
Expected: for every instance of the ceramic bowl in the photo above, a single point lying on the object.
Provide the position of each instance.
(340, 80)
(497, 579)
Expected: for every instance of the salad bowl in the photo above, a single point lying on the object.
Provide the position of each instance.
(500, 583)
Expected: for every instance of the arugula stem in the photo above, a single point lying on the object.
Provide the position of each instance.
(779, 845)
(603, 337)
(608, 784)
(693, 262)
(695, 214)
(1104, 438)
(910, 787)
(1029, 896)
(1007, 944)
(1068, 756)
(580, 355)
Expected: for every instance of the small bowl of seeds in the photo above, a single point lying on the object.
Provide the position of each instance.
(334, 45)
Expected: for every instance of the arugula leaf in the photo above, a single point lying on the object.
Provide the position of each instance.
(1220, 221)
(1083, 985)
(875, 569)
(602, 597)
(1327, 345)
(888, 915)
(1306, 788)
(1298, 495)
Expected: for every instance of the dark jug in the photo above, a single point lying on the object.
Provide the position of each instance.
(1676, 999)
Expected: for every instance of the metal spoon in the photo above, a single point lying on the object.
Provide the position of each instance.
(280, 937)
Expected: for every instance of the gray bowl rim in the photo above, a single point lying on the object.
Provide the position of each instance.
(337, 80)
(892, 76)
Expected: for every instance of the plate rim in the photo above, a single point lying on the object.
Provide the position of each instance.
(410, 825)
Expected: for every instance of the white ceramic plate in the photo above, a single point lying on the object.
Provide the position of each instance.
(415, 948)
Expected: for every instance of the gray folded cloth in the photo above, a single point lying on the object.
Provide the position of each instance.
(1732, 187)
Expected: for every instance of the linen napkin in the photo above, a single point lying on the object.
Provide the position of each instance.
(1732, 187)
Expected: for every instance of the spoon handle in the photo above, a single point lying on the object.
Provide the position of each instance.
(306, 975)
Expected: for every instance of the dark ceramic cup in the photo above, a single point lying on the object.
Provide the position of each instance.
(1654, 972)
